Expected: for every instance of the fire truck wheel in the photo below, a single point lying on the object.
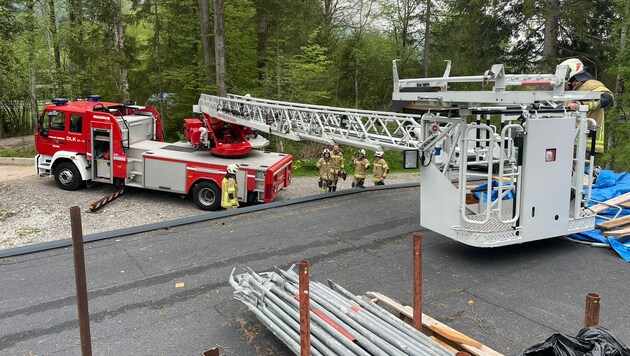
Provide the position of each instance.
(67, 176)
(207, 196)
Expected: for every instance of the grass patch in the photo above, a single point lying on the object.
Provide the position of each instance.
(24, 152)
(4, 214)
(26, 231)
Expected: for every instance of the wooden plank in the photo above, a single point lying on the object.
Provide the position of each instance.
(453, 335)
(447, 346)
(607, 225)
(614, 201)
(427, 321)
(618, 233)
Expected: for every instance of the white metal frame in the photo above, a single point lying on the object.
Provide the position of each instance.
(499, 222)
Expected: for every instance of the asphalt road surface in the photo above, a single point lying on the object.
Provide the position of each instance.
(522, 294)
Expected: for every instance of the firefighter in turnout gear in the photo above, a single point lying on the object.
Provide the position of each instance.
(336, 156)
(361, 164)
(326, 170)
(229, 188)
(380, 169)
(581, 80)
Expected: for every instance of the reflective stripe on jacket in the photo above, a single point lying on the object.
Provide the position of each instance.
(361, 165)
(337, 161)
(381, 168)
(229, 193)
(325, 168)
(596, 112)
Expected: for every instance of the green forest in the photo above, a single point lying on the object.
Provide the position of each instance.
(165, 53)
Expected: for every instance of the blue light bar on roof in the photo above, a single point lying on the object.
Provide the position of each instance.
(94, 98)
(60, 101)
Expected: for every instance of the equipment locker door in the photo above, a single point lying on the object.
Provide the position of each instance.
(102, 155)
(241, 181)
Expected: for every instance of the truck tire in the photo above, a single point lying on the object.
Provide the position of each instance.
(67, 176)
(207, 195)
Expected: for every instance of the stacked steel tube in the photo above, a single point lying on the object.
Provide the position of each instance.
(341, 322)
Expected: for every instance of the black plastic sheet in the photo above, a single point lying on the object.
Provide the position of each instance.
(592, 341)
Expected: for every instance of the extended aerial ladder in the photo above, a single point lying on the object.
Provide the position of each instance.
(530, 149)
(371, 130)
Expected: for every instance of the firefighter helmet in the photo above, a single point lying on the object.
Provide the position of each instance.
(232, 168)
(379, 154)
(362, 152)
(575, 66)
(326, 151)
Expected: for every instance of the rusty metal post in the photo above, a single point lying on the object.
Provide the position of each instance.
(417, 280)
(591, 311)
(305, 307)
(81, 281)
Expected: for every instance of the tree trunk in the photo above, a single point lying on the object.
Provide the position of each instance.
(159, 59)
(219, 51)
(550, 44)
(329, 12)
(30, 5)
(204, 25)
(356, 83)
(263, 39)
(427, 26)
(75, 22)
(53, 32)
(53, 43)
(119, 33)
(611, 139)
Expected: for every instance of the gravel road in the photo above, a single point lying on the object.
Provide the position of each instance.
(34, 209)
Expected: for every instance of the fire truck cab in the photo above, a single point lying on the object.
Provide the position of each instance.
(120, 144)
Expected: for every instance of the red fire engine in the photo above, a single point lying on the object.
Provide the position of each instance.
(120, 144)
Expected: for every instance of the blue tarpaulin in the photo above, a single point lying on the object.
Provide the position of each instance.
(481, 192)
(608, 185)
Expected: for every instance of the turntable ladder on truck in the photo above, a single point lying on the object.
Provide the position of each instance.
(527, 145)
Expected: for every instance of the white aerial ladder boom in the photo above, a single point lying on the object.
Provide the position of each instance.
(373, 130)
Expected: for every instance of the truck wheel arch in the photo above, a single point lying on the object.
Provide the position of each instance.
(66, 174)
(206, 194)
(80, 162)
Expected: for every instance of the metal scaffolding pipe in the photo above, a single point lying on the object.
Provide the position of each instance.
(289, 320)
(371, 318)
(275, 321)
(278, 331)
(373, 322)
(344, 315)
(337, 340)
(363, 340)
(335, 336)
(392, 321)
(342, 323)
